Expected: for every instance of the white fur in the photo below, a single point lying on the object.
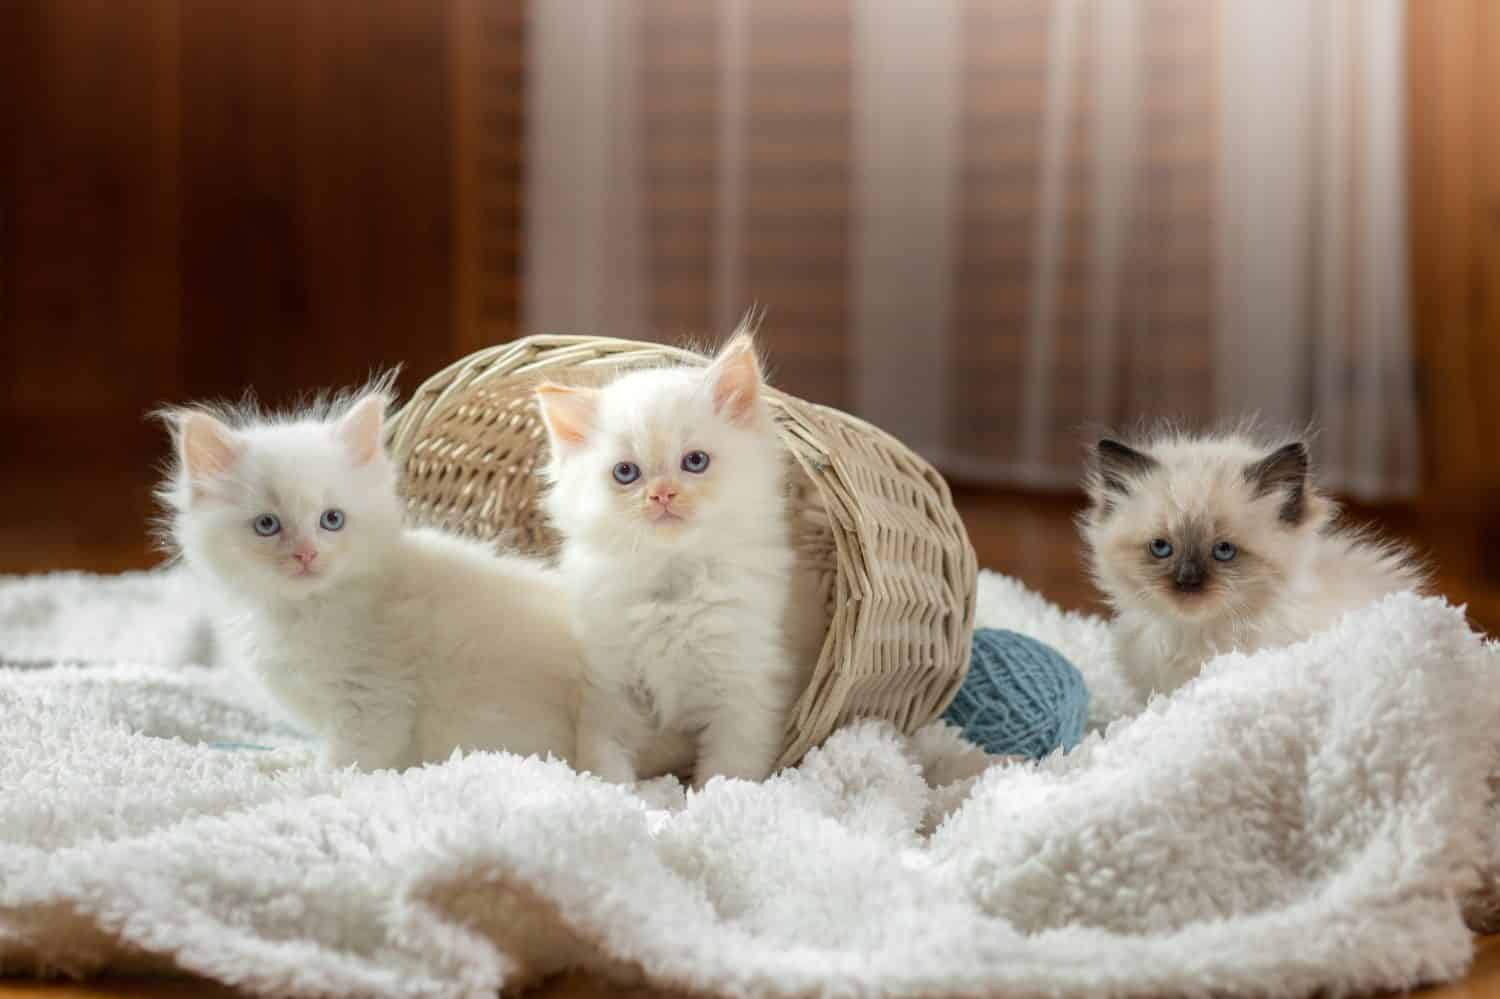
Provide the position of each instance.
(1288, 581)
(684, 622)
(401, 644)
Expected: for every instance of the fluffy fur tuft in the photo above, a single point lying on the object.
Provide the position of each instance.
(395, 645)
(667, 485)
(1204, 544)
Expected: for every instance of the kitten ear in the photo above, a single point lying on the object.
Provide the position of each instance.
(208, 448)
(568, 412)
(736, 380)
(360, 428)
(1115, 465)
(1283, 471)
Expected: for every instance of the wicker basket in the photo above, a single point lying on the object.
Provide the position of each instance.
(874, 520)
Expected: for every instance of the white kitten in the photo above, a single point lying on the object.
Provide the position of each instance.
(1207, 544)
(394, 645)
(667, 486)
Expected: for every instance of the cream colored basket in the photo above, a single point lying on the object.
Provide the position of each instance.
(874, 520)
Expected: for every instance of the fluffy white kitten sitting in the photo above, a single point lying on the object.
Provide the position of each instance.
(395, 645)
(1207, 544)
(667, 485)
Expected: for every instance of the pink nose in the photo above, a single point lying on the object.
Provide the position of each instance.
(662, 494)
(305, 555)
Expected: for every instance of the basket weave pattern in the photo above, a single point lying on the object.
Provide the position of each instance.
(874, 521)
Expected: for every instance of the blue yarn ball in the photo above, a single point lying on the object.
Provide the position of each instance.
(1020, 697)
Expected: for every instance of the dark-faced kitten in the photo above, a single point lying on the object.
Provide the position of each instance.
(1207, 544)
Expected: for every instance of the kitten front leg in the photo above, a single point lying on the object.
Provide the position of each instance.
(742, 739)
(610, 735)
(369, 740)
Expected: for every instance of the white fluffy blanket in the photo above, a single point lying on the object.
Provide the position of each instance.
(1300, 820)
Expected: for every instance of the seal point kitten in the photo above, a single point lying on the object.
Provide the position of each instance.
(1206, 544)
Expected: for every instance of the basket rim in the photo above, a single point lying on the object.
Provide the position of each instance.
(447, 379)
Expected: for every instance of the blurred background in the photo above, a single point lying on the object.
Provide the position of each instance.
(985, 225)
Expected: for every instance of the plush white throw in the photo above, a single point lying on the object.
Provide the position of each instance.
(1299, 820)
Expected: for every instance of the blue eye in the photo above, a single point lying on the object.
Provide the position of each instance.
(1224, 551)
(267, 525)
(1160, 548)
(695, 462)
(332, 520)
(627, 472)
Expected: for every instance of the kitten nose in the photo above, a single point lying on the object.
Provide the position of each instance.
(1189, 577)
(305, 553)
(662, 492)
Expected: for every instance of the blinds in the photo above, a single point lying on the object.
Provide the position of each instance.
(745, 123)
(746, 132)
(987, 226)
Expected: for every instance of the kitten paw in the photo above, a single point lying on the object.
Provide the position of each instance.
(607, 761)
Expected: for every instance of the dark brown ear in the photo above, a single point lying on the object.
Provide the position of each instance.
(1118, 464)
(1283, 471)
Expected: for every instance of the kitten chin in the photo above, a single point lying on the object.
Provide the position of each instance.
(667, 486)
(381, 638)
(1206, 544)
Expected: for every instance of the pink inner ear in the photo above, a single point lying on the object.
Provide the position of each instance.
(209, 448)
(360, 428)
(568, 412)
(736, 381)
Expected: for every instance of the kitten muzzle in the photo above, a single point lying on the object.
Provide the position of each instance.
(660, 495)
(302, 561)
(1190, 576)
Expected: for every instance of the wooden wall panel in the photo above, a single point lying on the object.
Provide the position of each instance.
(1454, 122)
(1454, 127)
(89, 334)
(90, 231)
(200, 197)
(316, 205)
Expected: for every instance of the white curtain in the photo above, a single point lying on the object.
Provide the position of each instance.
(1060, 213)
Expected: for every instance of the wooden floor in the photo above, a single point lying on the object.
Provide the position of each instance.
(96, 521)
(1483, 982)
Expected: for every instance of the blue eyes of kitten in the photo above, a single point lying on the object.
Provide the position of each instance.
(626, 472)
(269, 525)
(1222, 552)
